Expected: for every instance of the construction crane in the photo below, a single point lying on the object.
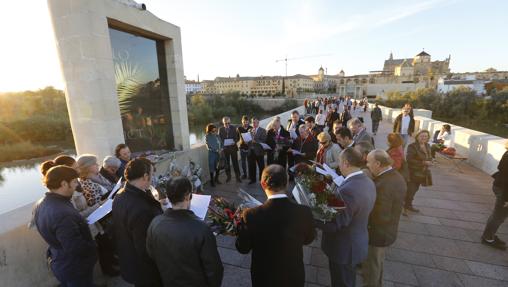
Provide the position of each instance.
(286, 59)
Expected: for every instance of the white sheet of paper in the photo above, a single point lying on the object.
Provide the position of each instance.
(199, 204)
(330, 171)
(265, 146)
(247, 137)
(115, 189)
(338, 180)
(228, 142)
(293, 134)
(321, 171)
(100, 212)
(296, 195)
(197, 183)
(295, 152)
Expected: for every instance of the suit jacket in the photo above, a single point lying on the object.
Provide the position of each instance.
(364, 136)
(185, 250)
(346, 239)
(384, 219)
(133, 210)
(376, 114)
(308, 146)
(397, 125)
(276, 232)
(229, 133)
(240, 130)
(258, 137)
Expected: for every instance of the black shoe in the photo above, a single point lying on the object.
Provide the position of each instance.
(238, 179)
(244, 176)
(252, 181)
(495, 243)
(412, 209)
(228, 178)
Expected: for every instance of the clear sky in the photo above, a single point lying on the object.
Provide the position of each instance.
(223, 38)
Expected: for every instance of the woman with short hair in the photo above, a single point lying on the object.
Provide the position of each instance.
(419, 159)
(213, 145)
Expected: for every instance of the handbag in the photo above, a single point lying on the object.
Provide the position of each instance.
(222, 161)
(428, 178)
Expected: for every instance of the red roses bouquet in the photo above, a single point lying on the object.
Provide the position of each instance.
(317, 191)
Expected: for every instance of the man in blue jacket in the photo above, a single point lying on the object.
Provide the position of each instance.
(345, 240)
(72, 251)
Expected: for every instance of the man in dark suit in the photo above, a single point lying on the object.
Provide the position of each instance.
(276, 232)
(384, 218)
(304, 148)
(294, 122)
(345, 240)
(256, 152)
(244, 147)
(229, 137)
(134, 207)
(332, 117)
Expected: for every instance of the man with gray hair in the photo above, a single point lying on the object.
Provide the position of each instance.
(110, 166)
(229, 138)
(345, 239)
(359, 131)
(384, 218)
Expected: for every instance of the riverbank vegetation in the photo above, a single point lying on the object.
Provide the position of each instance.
(460, 107)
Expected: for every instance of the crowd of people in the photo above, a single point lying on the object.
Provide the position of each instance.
(150, 246)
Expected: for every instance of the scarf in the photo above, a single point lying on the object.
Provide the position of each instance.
(320, 157)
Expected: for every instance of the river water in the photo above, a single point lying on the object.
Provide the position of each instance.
(21, 183)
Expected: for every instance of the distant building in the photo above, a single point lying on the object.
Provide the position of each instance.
(448, 85)
(481, 82)
(192, 87)
(397, 75)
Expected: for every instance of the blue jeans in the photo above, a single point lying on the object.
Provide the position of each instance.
(405, 137)
(243, 160)
(81, 282)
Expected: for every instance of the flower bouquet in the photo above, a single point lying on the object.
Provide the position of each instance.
(225, 216)
(317, 191)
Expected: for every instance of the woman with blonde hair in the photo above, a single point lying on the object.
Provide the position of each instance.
(328, 151)
(278, 139)
(419, 159)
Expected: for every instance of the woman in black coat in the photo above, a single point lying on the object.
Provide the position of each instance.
(419, 159)
(279, 141)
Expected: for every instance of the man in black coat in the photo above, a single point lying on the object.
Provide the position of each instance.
(384, 218)
(244, 147)
(72, 251)
(229, 137)
(181, 244)
(276, 232)
(134, 207)
(256, 155)
(294, 122)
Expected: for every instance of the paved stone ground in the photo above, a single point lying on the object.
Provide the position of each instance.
(440, 246)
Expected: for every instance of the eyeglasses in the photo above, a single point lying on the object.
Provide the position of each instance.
(323, 143)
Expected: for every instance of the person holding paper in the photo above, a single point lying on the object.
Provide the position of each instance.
(275, 232)
(244, 147)
(359, 131)
(344, 138)
(312, 127)
(256, 152)
(182, 245)
(134, 208)
(293, 123)
(72, 251)
(110, 166)
(229, 137)
(345, 240)
(304, 148)
(94, 194)
(279, 141)
(328, 152)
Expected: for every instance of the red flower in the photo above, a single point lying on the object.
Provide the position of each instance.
(318, 187)
(229, 213)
